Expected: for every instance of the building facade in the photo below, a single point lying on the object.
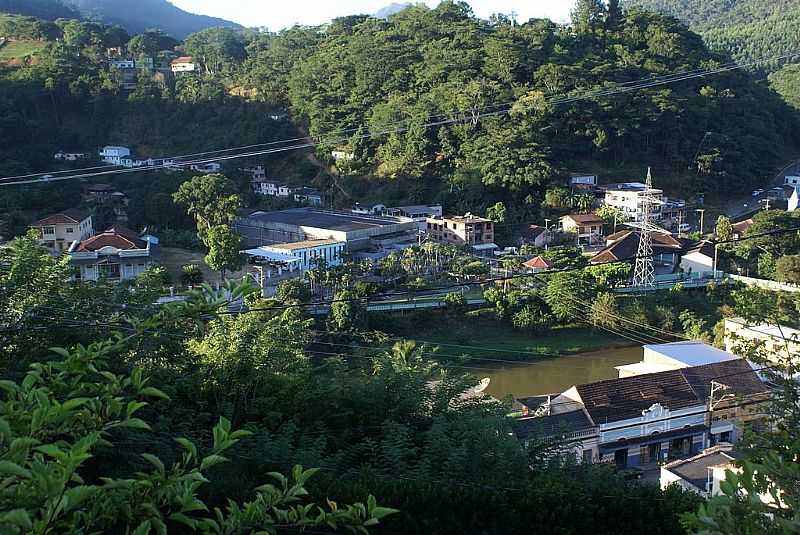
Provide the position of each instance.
(113, 154)
(117, 254)
(628, 198)
(587, 228)
(467, 230)
(183, 64)
(778, 343)
(58, 231)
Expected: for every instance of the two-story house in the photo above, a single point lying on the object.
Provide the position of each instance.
(650, 418)
(117, 254)
(59, 231)
(628, 197)
(587, 228)
(468, 230)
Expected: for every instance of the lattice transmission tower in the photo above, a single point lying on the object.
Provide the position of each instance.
(644, 275)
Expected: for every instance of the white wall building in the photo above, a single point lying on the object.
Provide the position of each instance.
(123, 63)
(777, 342)
(117, 254)
(114, 154)
(627, 197)
(183, 64)
(791, 181)
(675, 356)
(699, 260)
(70, 156)
(59, 231)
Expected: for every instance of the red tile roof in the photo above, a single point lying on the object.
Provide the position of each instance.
(117, 237)
(625, 246)
(742, 226)
(585, 219)
(538, 263)
(183, 59)
(71, 216)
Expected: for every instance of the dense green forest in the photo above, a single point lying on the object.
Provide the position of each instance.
(43, 9)
(381, 82)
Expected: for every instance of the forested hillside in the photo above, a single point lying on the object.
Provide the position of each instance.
(380, 83)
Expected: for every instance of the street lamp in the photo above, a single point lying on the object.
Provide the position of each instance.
(546, 233)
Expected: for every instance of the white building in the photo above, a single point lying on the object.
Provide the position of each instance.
(70, 156)
(791, 181)
(114, 154)
(699, 260)
(123, 63)
(587, 228)
(627, 197)
(263, 186)
(206, 168)
(778, 343)
(183, 64)
(701, 474)
(794, 200)
(675, 356)
(117, 254)
(296, 258)
(419, 213)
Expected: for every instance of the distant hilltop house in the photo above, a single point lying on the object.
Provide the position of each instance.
(343, 155)
(272, 188)
(123, 63)
(308, 196)
(113, 154)
(419, 213)
(628, 198)
(791, 180)
(535, 235)
(206, 168)
(58, 231)
(183, 64)
(583, 182)
(71, 156)
(117, 254)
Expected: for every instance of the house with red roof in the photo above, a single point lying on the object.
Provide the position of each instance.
(58, 231)
(116, 254)
(183, 64)
(538, 263)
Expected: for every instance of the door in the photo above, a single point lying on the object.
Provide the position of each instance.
(621, 458)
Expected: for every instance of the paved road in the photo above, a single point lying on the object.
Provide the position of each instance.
(749, 204)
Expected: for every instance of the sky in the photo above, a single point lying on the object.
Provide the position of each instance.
(279, 14)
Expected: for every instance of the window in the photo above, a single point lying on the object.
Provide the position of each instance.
(70, 230)
(48, 231)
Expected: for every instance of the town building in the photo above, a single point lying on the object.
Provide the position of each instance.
(308, 196)
(698, 260)
(256, 173)
(628, 198)
(791, 180)
(266, 187)
(587, 228)
(624, 246)
(777, 343)
(113, 154)
(368, 209)
(206, 168)
(183, 64)
(58, 231)
(359, 232)
(468, 230)
(419, 213)
(71, 156)
(534, 235)
(583, 182)
(299, 257)
(647, 419)
(117, 254)
(702, 473)
(673, 213)
(122, 63)
(674, 356)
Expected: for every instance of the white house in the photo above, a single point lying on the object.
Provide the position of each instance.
(418, 213)
(370, 209)
(285, 190)
(263, 186)
(70, 156)
(791, 181)
(117, 254)
(794, 200)
(122, 63)
(702, 473)
(183, 64)
(778, 343)
(114, 154)
(206, 168)
(627, 197)
(699, 260)
(342, 155)
(585, 182)
(308, 196)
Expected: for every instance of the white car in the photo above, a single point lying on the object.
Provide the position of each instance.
(684, 227)
(757, 192)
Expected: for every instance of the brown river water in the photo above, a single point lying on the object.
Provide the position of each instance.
(550, 376)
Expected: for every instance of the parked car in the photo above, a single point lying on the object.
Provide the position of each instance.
(757, 192)
(684, 227)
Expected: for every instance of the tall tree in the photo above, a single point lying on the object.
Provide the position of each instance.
(211, 199)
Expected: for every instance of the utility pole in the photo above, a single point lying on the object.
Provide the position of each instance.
(546, 233)
(644, 274)
(702, 217)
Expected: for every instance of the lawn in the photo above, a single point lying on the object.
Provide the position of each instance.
(19, 49)
(486, 332)
(174, 259)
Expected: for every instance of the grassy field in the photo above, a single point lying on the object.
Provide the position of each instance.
(456, 338)
(174, 259)
(14, 50)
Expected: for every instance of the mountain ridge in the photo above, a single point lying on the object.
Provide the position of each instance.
(149, 14)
